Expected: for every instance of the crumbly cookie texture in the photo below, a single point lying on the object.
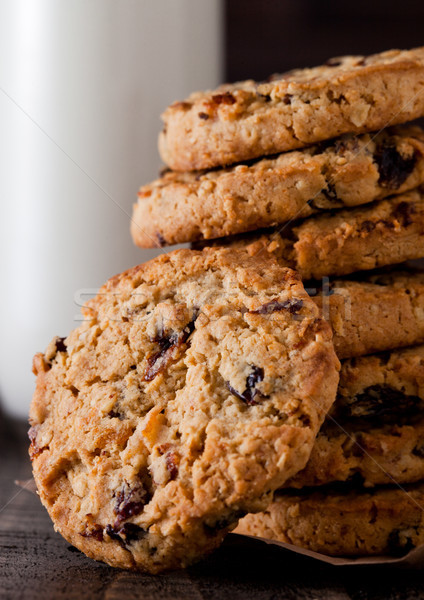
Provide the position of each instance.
(384, 521)
(349, 171)
(236, 122)
(194, 387)
(383, 233)
(375, 430)
(375, 313)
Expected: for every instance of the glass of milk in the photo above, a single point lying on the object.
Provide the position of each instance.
(82, 85)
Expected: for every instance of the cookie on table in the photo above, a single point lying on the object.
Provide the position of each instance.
(375, 430)
(194, 387)
(342, 242)
(374, 313)
(241, 121)
(383, 521)
(348, 171)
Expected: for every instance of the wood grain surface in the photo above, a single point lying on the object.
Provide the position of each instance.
(37, 564)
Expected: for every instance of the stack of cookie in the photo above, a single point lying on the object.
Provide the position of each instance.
(322, 170)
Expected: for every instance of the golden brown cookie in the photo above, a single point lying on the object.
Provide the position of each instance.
(351, 94)
(383, 521)
(376, 312)
(348, 171)
(194, 387)
(342, 242)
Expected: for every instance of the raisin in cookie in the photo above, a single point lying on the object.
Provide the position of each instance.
(351, 94)
(384, 521)
(339, 243)
(352, 170)
(194, 387)
(375, 430)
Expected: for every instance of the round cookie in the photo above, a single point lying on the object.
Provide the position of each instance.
(384, 521)
(351, 94)
(375, 430)
(342, 242)
(193, 388)
(349, 171)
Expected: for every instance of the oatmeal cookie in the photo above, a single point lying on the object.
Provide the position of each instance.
(194, 387)
(348, 171)
(241, 121)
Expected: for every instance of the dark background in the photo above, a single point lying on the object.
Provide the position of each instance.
(272, 36)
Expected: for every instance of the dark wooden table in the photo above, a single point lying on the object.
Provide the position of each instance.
(36, 563)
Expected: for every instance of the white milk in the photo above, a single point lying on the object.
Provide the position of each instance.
(82, 85)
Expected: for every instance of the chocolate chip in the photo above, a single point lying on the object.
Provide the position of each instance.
(159, 360)
(160, 240)
(287, 98)
(393, 168)
(403, 213)
(381, 402)
(203, 115)
(130, 502)
(250, 393)
(293, 305)
(225, 98)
